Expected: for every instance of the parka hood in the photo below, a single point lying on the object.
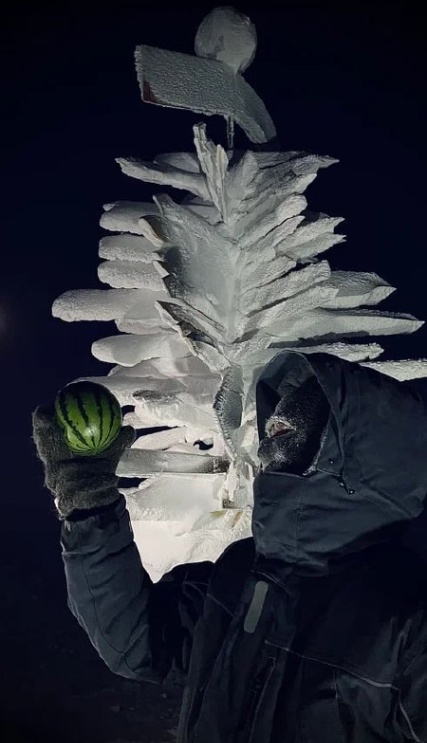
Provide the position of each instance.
(370, 478)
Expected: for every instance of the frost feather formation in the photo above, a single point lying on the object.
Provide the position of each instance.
(204, 291)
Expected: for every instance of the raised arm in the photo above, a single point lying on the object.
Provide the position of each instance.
(140, 629)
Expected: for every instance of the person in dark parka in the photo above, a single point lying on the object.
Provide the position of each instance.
(315, 628)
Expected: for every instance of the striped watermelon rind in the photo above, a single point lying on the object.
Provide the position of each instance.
(90, 417)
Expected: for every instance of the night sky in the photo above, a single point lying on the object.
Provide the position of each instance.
(346, 80)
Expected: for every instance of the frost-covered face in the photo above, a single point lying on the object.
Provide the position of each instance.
(294, 430)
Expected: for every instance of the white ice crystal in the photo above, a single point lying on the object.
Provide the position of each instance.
(204, 293)
(209, 83)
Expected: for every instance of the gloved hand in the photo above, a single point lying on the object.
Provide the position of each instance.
(293, 432)
(77, 482)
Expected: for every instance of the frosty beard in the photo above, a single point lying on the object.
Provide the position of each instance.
(305, 409)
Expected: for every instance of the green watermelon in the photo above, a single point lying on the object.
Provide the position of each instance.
(89, 415)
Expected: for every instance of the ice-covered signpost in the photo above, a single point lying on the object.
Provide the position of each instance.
(204, 291)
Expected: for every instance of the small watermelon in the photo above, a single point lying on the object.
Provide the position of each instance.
(89, 415)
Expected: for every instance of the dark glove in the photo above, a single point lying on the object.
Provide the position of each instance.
(77, 482)
(306, 411)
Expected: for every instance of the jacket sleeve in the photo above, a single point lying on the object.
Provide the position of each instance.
(139, 628)
(413, 699)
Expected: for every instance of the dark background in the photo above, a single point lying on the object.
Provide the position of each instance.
(344, 79)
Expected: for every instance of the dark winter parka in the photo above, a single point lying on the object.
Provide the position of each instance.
(315, 628)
